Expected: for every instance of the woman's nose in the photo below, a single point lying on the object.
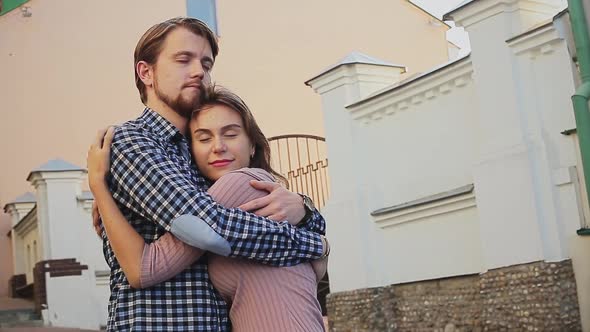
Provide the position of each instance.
(219, 146)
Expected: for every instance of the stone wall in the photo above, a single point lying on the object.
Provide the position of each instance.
(530, 297)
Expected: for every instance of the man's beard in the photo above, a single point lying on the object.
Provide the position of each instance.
(184, 107)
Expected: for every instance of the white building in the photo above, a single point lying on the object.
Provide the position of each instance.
(469, 169)
(52, 229)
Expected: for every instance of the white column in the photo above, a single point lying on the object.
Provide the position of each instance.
(57, 211)
(510, 174)
(17, 211)
(63, 234)
(345, 211)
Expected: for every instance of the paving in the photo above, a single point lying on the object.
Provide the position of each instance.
(9, 303)
(18, 315)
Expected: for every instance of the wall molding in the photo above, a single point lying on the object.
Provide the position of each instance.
(439, 204)
(414, 92)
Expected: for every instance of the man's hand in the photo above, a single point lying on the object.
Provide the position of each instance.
(279, 205)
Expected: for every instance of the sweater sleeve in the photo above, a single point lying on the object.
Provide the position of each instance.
(168, 256)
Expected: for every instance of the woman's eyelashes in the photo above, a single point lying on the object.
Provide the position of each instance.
(208, 138)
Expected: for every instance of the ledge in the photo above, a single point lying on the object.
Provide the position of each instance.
(425, 200)
(449, 201)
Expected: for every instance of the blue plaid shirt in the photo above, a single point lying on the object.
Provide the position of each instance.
(154, 181)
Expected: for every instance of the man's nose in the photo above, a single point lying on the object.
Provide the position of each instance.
(197, 69)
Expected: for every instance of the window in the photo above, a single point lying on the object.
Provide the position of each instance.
(204, 10)
(8, 5)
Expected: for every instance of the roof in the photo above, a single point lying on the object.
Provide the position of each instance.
(428, 13)
(354, 58)
(56, 165)
(27, 197)
(448, 16)
(409, 80)
(540, 25)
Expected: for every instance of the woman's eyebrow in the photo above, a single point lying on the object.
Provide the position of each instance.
(224, 128)
(202, 130)
(231, 126)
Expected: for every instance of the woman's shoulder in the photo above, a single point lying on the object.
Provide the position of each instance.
(255, 173)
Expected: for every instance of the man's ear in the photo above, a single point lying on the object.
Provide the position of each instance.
(145, 72)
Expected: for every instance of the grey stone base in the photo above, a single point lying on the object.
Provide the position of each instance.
(537, 296)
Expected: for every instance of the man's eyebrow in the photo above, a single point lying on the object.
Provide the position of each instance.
(180, 53)
(192, 54)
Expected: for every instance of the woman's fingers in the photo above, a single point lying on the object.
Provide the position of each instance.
(99, 138)
(108, 138)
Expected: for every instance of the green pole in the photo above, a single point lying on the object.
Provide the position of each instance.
(582, 94)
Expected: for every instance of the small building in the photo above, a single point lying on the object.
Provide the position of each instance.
(57, 256)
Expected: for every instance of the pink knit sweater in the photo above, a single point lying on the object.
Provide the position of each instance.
(261, 297)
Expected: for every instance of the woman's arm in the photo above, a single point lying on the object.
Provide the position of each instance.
(320, 266)
(144, 265)
(127, 244)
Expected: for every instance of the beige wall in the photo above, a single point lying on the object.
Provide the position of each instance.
(67, 70)
(269, 48)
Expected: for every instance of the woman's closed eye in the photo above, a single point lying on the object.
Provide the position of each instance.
(204, 138)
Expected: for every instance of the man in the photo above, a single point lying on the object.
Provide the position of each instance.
(159, 190)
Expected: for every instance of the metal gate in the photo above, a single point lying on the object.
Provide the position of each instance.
(302, 159)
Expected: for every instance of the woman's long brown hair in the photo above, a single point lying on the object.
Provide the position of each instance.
(217, 95)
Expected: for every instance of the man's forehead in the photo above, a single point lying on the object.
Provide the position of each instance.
(183, 40)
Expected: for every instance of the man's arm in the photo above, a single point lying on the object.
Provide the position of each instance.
(146, 180)
(316, 223)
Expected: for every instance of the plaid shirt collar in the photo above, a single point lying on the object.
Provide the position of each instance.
(160, 126)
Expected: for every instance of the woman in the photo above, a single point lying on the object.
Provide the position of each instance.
(225, 141)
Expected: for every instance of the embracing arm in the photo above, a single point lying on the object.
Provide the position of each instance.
(144, 264)
(168, 256)
(129, 247)
(149, 182)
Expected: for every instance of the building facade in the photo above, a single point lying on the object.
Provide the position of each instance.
(56, 254)
(69, 68)
(457, 195)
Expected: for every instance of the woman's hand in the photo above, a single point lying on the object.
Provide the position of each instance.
(98, 159)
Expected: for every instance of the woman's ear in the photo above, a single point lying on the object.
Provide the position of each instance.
(145, 72)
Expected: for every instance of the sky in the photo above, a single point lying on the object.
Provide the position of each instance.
(440, 7)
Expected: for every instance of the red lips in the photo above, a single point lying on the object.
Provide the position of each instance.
(221, 162)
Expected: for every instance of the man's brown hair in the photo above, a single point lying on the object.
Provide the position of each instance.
(150, 45)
